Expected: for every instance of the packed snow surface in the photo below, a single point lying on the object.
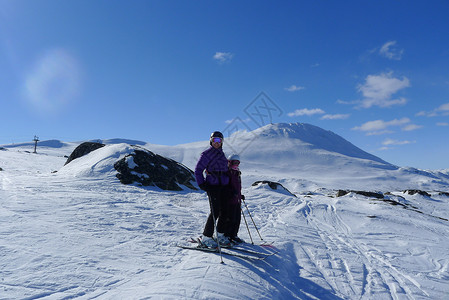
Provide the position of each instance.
(80, 234)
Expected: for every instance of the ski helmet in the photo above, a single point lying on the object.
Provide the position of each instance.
(216, 134)
(234, 161)
(234, 157)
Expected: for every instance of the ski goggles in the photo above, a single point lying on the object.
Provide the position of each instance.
(216, 140)
(234, 162)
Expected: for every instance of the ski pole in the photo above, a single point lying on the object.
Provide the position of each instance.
(215, 226)
(252, 220)
(247, 227)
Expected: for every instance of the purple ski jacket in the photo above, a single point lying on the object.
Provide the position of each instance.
(216, 165)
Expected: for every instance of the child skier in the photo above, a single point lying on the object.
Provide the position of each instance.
(234, 199)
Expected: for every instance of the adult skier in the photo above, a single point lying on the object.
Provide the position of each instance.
(234, 199)
(214, 162)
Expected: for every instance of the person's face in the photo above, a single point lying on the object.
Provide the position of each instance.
(216, 142)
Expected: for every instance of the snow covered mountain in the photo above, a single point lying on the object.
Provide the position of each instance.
(303, 139)
(79, 233)
(302, 154)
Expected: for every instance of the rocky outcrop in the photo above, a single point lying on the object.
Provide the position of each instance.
(137, 165)
(148, 169)
(419, 192)
(341, 193)
(83, 149)
(273, 185)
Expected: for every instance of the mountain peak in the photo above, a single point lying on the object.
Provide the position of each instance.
(312, 137)
(301, 131)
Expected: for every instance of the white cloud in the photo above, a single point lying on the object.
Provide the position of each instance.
(306, 112)
(411, 127)
(382, 132)
(223, 57)
(339, 101)
(53, 82)
(379, 127)
(389, 51)
(427, 114)
(335, 117)
(379, 89)
(294, 88)
(388, 142)
(442, 110)
(442, 124)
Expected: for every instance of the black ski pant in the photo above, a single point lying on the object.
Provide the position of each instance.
(234, 216)
(217, 201)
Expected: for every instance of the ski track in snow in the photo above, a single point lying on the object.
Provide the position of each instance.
(350, 264)
(65, 237)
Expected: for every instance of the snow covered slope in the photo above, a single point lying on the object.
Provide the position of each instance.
(80, 234)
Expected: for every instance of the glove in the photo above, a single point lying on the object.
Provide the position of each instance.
(243, 197)
(204, 186)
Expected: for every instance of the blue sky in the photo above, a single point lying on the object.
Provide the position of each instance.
(171, 72)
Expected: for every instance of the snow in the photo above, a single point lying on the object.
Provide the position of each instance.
(79, 233)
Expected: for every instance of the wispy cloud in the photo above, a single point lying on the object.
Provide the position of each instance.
(411, 127)
(389, 142)
(379, 89)
(339, 101)
(379, 127)
(390, 51)
(294, 88)
(381, 124)
(335, 117)
(223, 57)
(306, 112)
(53, 82)
(442, 110)
(442, 124)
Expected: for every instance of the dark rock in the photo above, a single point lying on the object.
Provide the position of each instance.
(341, 193)
(83, 149)
(273, 185)
(149, 169)
(370, 194)
(444, 194)
(419, 192)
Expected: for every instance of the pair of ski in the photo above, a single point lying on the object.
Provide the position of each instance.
(229, 251)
